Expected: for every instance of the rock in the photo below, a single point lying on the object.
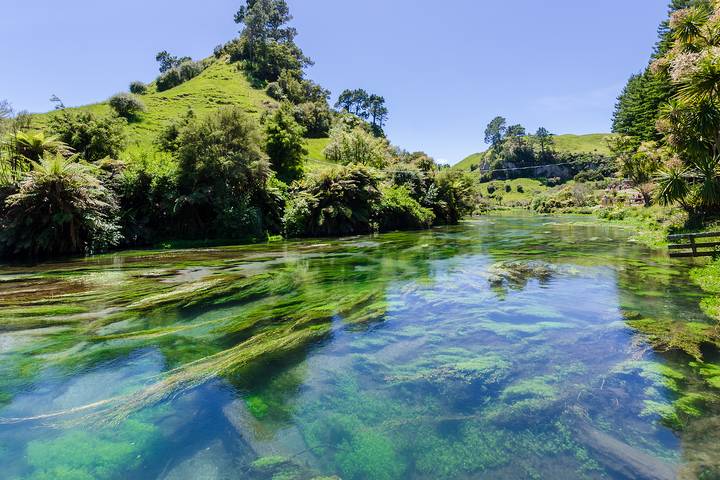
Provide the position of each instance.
(210, 463)
(627, 461)
(286, 442)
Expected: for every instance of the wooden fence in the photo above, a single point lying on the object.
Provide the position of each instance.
(687, 245)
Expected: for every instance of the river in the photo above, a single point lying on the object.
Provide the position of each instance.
(500, 348)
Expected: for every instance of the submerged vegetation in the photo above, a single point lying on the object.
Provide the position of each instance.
(406, 355)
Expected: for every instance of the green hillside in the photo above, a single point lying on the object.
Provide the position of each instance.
(222, 83)
(591, 143)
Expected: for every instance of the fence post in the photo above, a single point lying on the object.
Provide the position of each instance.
(692, 244)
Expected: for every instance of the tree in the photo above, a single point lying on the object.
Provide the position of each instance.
(515, 131)
(495, 132)
(222, 176)
(179, 74)
(316, 117)
(356, 146)
(138, 88)
(126, 105)
(6, 110)
(61, 208)
(90, 136)
(336, 201)
(690, 121)
(366, 106)
(168, 61)
(354, 101)
(638, 106)
(544, 139)
(265, 20)
(637, 163)
(267, 42)
(285, 144)
(59, 105)
(377, 112)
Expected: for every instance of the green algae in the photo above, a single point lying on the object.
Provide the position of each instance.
(80, 454)
(666, 335)
(434, 376)
(710, 372)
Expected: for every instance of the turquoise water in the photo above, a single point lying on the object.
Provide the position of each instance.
(500, 348)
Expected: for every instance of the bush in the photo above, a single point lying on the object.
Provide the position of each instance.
(275, 91)
(60, 208)
(138, 88)
(266, 61)
(146, 193)
(316, 117)
(356, 146)
(520, 189)
(94, 138)
(223, 176)
(508, 188)
(338, 201)
(454, 196)
(285, 144)
(399, 210)
(126, 105)
(567, 198)
(179, 75)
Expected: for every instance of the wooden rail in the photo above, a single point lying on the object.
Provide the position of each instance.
(688, 246)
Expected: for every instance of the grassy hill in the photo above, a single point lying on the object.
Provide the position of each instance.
(591, 143)
(222, 83)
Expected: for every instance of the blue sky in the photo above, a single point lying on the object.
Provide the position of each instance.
(445, 68)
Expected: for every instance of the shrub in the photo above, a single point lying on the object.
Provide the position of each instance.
(454, 195)
(316, 117)
(223, 177)
(508, 188)
(520, 189)
(126, 105)
(356, 146)
(179, 75)
(285, 144)
(138, 88)
(94, 138)
(146, 192)
(270, 59)
(399, 210)
(275, 91)
(565, 198)
(337, 201)
(60, 208)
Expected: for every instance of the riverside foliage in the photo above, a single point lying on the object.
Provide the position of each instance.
(226, 173)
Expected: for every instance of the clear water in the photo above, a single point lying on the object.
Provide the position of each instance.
(496, 349)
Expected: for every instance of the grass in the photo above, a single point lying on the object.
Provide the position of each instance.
(221, 84)
(315, 157)
(591, 143)
(530, 189)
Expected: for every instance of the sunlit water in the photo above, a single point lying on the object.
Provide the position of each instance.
(496, 349)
